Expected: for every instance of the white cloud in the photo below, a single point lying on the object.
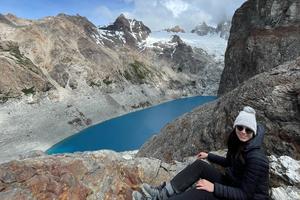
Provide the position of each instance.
(161, 14)
(176, 6)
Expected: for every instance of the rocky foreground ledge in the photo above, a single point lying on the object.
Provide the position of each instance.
(108, 175)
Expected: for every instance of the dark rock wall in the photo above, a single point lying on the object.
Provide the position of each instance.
(264, 34)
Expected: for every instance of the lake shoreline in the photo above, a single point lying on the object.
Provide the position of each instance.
(129, 131)
(28, 126)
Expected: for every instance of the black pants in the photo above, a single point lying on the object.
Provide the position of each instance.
(191, 174)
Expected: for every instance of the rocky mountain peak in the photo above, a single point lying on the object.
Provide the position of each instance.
(4, 20)
(133, 32)
(176, 39)
(203, 29)
(223, 28)
(120, 24)
(11, 17)
(175, 29)
(79, 21)
(13, 20)
(186, 59)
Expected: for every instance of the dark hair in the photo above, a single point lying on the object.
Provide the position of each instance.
(235, 146)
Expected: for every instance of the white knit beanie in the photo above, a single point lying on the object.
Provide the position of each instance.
(246, 118)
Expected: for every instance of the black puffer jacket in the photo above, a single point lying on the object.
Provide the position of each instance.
(249, 179)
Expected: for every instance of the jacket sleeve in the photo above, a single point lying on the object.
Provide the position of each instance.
(257, 167)
(220, 160)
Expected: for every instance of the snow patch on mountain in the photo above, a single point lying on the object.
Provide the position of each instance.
(212, 44)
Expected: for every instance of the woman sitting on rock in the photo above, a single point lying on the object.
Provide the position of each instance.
(246, 170)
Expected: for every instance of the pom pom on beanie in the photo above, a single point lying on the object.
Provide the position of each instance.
(246, 118)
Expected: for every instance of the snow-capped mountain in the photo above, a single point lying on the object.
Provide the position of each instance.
(133, 33)
(175, 29)
(212, 44)
(222, 29)
(124, 31)
(203, 29)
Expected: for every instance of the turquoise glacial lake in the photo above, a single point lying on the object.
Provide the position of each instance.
(130, 131)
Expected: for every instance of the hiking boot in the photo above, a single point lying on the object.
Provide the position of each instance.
(156, 193)
(139, 196)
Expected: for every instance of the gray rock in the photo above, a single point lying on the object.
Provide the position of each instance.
(32, 154)
(262, 36)
(289, 193)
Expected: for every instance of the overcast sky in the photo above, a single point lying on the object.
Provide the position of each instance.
(156, 14)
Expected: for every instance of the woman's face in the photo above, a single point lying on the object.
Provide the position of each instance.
(242, 134)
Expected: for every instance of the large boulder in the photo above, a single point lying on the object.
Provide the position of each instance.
(263, 35)
(102, 175)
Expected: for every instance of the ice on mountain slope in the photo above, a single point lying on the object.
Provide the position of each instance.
(213, 44)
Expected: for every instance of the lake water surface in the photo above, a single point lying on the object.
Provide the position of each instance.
(130, 131)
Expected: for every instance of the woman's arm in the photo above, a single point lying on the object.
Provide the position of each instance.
(220, 160)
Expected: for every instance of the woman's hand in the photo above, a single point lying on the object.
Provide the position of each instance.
(204, 184)
(202, 155)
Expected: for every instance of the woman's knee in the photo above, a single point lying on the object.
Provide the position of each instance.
(200, 163)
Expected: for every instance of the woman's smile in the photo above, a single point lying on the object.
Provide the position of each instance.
(243, 135)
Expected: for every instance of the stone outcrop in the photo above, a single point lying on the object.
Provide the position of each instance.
(175, 29)
(284, 178)
(104, 175)
(107, 175)
(263, 35)
(274, 95)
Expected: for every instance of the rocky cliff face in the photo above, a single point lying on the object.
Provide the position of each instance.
(264, 34)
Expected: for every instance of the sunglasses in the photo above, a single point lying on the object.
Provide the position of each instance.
(241, 128)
